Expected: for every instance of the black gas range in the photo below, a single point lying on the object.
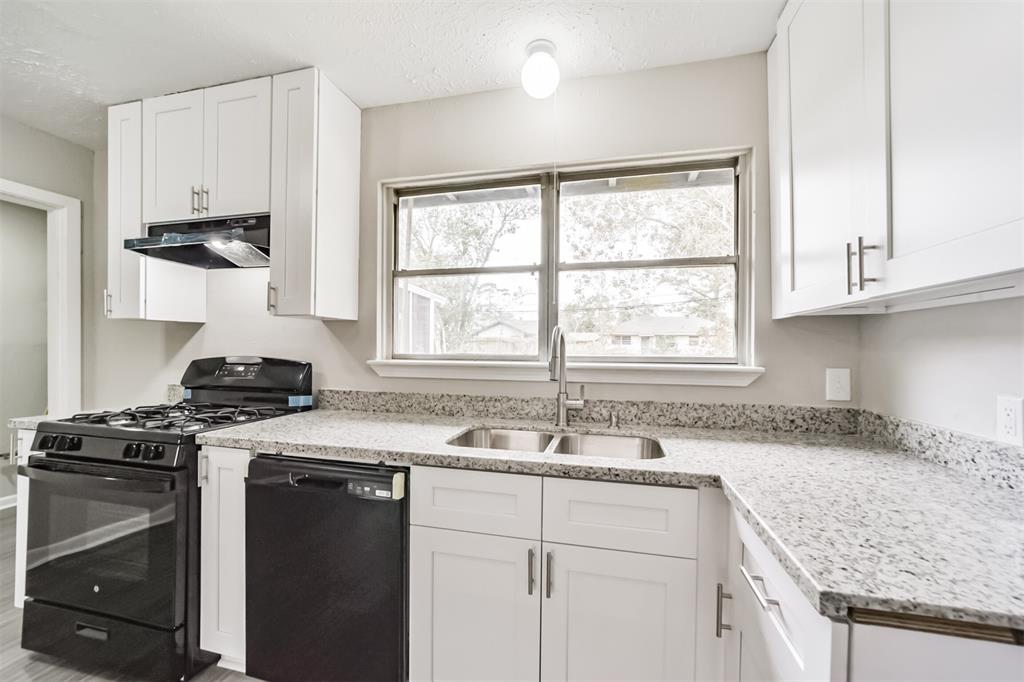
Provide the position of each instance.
(112, 577)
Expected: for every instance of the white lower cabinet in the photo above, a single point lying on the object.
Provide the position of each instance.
(611, 615)
(474, 611)
(222, 474)
(484, 606)
(25, 438)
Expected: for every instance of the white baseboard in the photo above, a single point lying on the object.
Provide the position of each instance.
(9, 501)
(231, 664)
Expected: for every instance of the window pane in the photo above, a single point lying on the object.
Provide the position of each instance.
(466, 314)
(682, 312)
(476, 228)
(668, 215)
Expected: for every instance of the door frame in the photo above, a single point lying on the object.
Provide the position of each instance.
(63, 292)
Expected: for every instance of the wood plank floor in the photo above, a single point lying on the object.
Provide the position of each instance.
(17, 664)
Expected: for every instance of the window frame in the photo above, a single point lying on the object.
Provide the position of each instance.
(740, 367)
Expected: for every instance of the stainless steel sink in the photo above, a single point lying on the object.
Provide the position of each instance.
(504, 439)
(585, 444)
(597, 445)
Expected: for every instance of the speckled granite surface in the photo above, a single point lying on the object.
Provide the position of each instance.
(28, 422)
(649, 412)
(856, 524)
(983, 459)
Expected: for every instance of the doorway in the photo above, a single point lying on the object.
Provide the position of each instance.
(22, 324)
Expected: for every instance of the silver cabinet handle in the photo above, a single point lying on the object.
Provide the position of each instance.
(719, 625)
(107, 305)
(195, 200)
(204, 207)
(547, 575)
(861, 248)
(271, 298)
(530, 556)
(12, 454)
(849, 269)
(764, 601)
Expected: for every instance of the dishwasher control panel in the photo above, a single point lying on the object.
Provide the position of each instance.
(379, 490)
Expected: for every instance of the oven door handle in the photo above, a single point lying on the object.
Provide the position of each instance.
(87, 481)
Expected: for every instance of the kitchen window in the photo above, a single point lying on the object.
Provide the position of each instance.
(644, 267)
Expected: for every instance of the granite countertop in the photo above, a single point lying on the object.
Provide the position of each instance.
(29, 422)
(855, 524)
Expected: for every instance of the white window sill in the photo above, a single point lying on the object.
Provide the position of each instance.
(578, 372)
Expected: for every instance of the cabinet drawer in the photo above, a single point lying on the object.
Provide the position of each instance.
(791, 637)
(634, 518)
(478, 501)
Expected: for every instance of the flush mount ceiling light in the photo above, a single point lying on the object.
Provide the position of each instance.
(540, 70)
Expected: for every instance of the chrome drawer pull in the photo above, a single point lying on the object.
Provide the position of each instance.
(764, 601)
(719, 625)
(547, 576)
(530, 576)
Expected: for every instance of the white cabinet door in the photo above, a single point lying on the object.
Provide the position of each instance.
(172, 156)
(236, 155)
(222, 554)
(25, 438)
(124, 210)
(611, 615)
(293, 193)
(826, 59)
(314, 199)
(957, 140)
(474, 612)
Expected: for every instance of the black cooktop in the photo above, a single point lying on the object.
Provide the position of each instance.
(182, 417)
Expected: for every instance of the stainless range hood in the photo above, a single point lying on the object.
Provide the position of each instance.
(211, 244)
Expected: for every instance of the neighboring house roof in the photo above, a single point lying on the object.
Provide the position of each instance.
(659, 326)
(420, 291)
(516, 327)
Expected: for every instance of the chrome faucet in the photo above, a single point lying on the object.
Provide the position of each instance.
(556, 366)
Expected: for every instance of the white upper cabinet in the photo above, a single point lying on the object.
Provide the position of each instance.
(124, 297)
(957, 121)
(138, 287)
(826, 153)
(896, 131)
(172, 156)
(206, 153)
(314, 205)
(236, 149)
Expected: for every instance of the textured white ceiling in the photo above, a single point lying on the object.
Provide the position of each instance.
(62, 63)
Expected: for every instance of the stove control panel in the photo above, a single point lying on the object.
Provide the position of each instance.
(147, 452)
(238, 371)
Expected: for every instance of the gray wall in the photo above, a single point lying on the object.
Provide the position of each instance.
(22, 321)
(684, 108)
(944, 366)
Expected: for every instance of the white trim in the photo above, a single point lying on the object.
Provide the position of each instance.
(64, 292)
(584, 372)
(605, 372)
(9, 501)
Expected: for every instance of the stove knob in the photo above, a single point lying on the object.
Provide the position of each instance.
(157, 452)
(75, 443)
(46, 442)
(146, 451)
(61, 443)
(131, 451)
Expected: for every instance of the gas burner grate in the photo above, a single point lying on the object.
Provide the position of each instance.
(183, 416)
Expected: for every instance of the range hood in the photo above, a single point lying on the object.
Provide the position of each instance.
(210, 244)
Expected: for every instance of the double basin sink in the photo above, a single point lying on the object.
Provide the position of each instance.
(585, 444)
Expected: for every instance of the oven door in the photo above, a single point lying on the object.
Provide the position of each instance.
(106, 538)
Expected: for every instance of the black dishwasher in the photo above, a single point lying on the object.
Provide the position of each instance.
(326, 560)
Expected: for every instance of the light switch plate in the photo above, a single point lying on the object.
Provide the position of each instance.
(1010, 419)
(837, 384)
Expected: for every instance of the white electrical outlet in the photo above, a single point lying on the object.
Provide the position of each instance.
(837, 384)
(1010, 419)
